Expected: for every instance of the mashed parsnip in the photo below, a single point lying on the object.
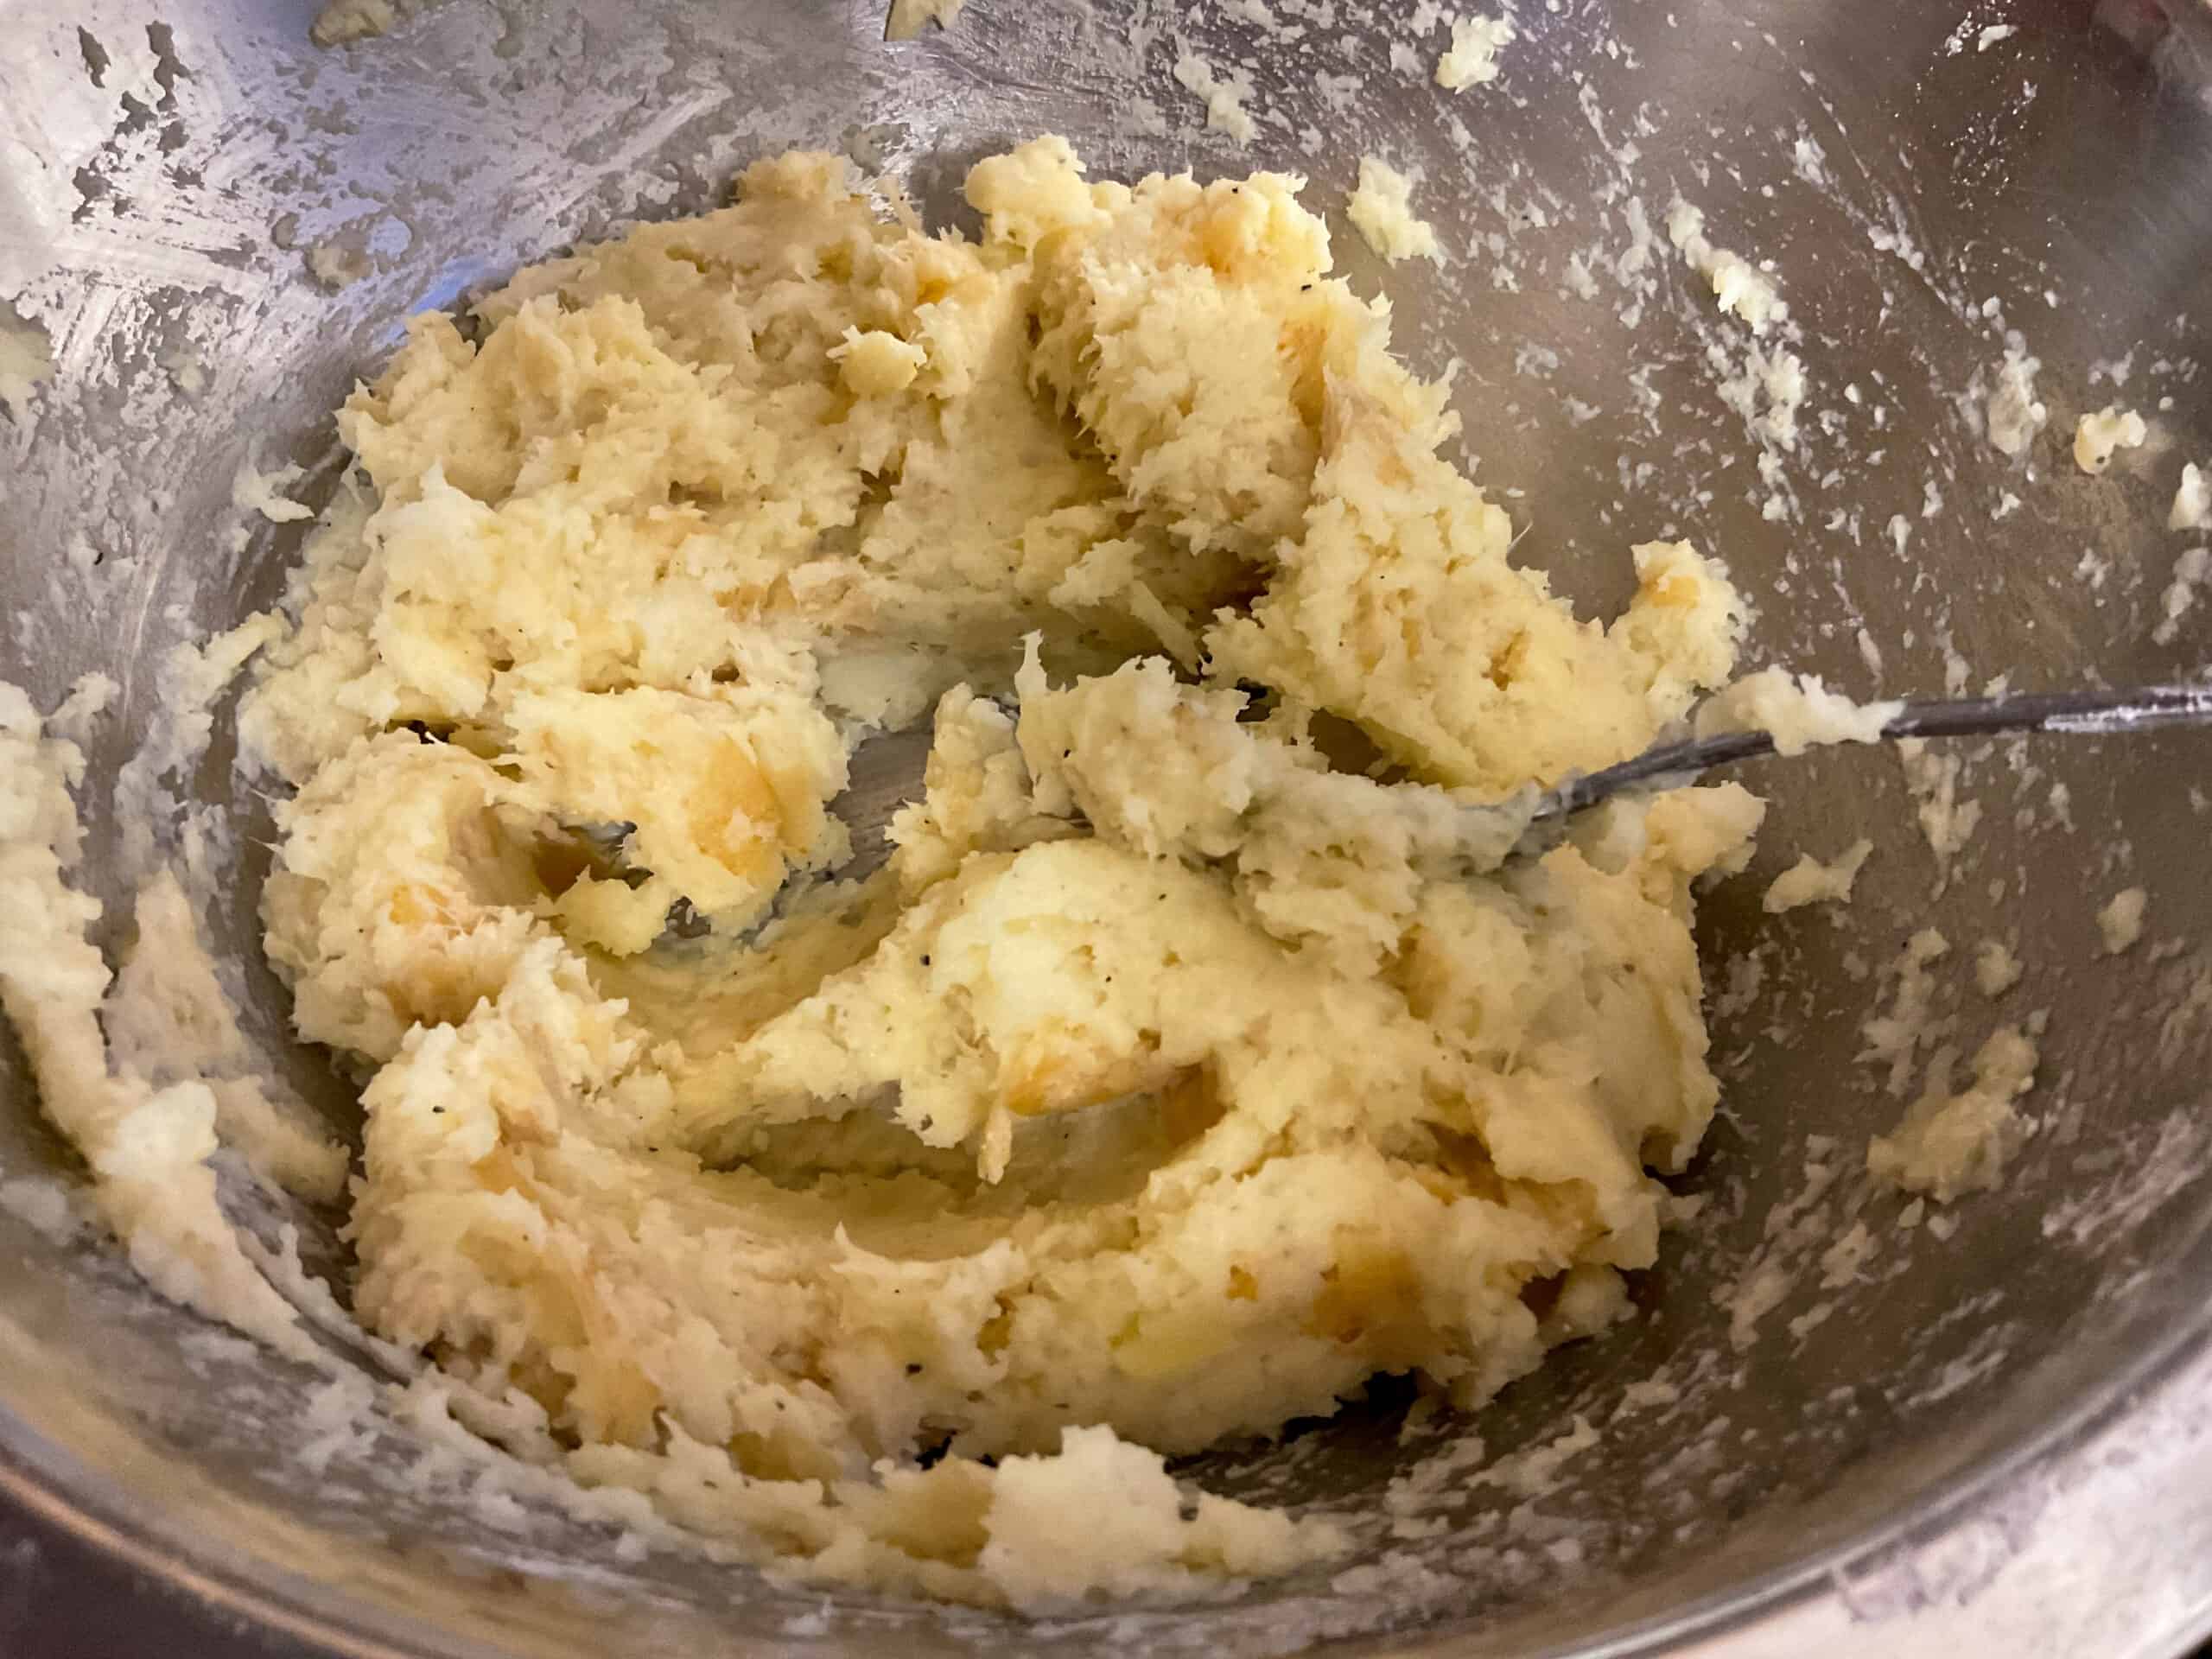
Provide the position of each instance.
(1169, 1082)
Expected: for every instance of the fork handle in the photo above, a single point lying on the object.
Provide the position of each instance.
(2135, 708)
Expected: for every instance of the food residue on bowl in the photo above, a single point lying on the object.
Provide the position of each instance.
(2098, 436)
(1381, 210)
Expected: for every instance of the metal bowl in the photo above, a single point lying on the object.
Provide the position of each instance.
(1991, 1434)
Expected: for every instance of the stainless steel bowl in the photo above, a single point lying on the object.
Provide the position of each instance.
(1995, 1437)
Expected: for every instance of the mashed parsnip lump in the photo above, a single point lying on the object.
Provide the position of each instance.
(1169, 1082)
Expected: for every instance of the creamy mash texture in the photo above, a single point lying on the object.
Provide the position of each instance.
(1169, 1082)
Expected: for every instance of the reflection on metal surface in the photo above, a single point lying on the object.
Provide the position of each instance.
(2175, 35)
(1992, 1438)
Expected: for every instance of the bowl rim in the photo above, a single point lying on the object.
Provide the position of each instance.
(2090, 1459)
